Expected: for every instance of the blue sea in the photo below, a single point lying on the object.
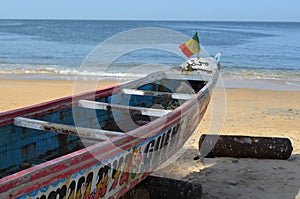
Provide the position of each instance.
(57, 48)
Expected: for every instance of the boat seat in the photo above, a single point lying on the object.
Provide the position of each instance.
(122, 108)
(180, 96)
(95, 134)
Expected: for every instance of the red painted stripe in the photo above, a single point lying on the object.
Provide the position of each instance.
(186, 50)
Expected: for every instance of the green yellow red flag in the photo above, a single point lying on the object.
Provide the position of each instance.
(192, 46)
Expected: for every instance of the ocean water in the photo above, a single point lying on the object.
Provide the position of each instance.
(57, 48)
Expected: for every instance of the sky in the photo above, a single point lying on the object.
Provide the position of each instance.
(202, 10)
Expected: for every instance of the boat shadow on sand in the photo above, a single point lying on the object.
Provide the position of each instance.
(244, 178)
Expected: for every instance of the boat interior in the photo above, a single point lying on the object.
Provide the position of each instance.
(31, 141)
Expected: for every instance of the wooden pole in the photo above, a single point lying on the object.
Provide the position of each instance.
(245, 146)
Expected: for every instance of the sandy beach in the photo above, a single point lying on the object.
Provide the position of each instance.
(21, 93)
(248, 112)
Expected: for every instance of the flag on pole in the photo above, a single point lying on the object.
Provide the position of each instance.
(192, 46)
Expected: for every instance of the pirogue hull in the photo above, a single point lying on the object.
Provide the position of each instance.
(100, 144)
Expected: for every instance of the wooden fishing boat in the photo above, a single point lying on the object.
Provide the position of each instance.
(101, 144)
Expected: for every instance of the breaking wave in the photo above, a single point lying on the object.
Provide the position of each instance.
(135, 70)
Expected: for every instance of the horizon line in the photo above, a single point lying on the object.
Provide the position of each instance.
(166, 20)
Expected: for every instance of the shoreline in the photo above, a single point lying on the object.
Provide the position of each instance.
(260, 84)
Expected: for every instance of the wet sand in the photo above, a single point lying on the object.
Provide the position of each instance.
(248, 112)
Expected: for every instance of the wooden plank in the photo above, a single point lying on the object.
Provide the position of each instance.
(96, 134)
(123, 108)
(181, 96)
